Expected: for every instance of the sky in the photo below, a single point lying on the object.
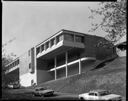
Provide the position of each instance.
(29, 23)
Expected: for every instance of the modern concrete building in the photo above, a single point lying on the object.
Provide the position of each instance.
(64, 54)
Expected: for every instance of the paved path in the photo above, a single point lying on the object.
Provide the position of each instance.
(21, 94)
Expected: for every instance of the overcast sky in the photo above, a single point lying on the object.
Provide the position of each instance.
(32, 22)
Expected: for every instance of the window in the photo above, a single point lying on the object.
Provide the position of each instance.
(11, 65)
(69, 37)
(59, 38)
(92, 94)
(79, 38)
(37, 50)
(14, 63)
(47, 45)
(104, 93)
(17, 61)
(42, 48)
(52, 42)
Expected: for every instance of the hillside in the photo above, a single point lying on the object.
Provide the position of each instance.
(109, 75)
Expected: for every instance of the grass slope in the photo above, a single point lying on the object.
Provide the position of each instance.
(110, 76)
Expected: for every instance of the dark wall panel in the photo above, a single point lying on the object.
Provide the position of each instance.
(43, 76)
(73, 69)
(61, 73)
(12, 76)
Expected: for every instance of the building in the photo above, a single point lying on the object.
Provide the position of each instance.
(64, 54)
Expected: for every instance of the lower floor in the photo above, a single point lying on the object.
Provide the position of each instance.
(67, 69)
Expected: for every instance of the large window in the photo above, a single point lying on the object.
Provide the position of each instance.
(17, 61)
(37, 50)
(47, 45)
(52, 42)
(79, 38)
(59, 38)
(42, 48)
(69, 37)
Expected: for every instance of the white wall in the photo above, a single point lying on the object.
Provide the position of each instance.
(25, 80)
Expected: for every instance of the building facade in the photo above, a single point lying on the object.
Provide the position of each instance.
(62, 55)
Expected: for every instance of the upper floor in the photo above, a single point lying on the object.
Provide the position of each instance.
(60, 39)
(12, 65)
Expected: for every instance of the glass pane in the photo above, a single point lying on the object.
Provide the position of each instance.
(69, 37)
(42, 48)
(78, 38)
(47, 45)
(52, 42)
(59, 38)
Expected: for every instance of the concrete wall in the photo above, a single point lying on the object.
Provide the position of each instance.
(27, 74)
(24, 63)
(26, 79)
(92, 50)
(87, 65)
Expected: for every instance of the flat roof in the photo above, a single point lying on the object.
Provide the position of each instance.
(12, 61)
(59, 32)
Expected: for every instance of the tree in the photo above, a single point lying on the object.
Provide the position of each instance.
(6, 58)
(113, 19)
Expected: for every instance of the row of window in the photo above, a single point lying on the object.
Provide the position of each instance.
(65, 36)
(72, 38)
(49, 43)
(15, 63)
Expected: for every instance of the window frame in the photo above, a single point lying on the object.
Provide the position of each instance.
(79, 38)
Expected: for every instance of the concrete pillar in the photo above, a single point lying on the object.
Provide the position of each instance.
(50, 43)
(44, 46)
(35, 60)
(66, 62)
(80, 66)
(55, 67)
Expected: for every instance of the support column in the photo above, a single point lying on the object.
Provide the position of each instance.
(66, 62)
(35, 60)
(50, 43)
(55, 67)
(80, 66)
(44, 46)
